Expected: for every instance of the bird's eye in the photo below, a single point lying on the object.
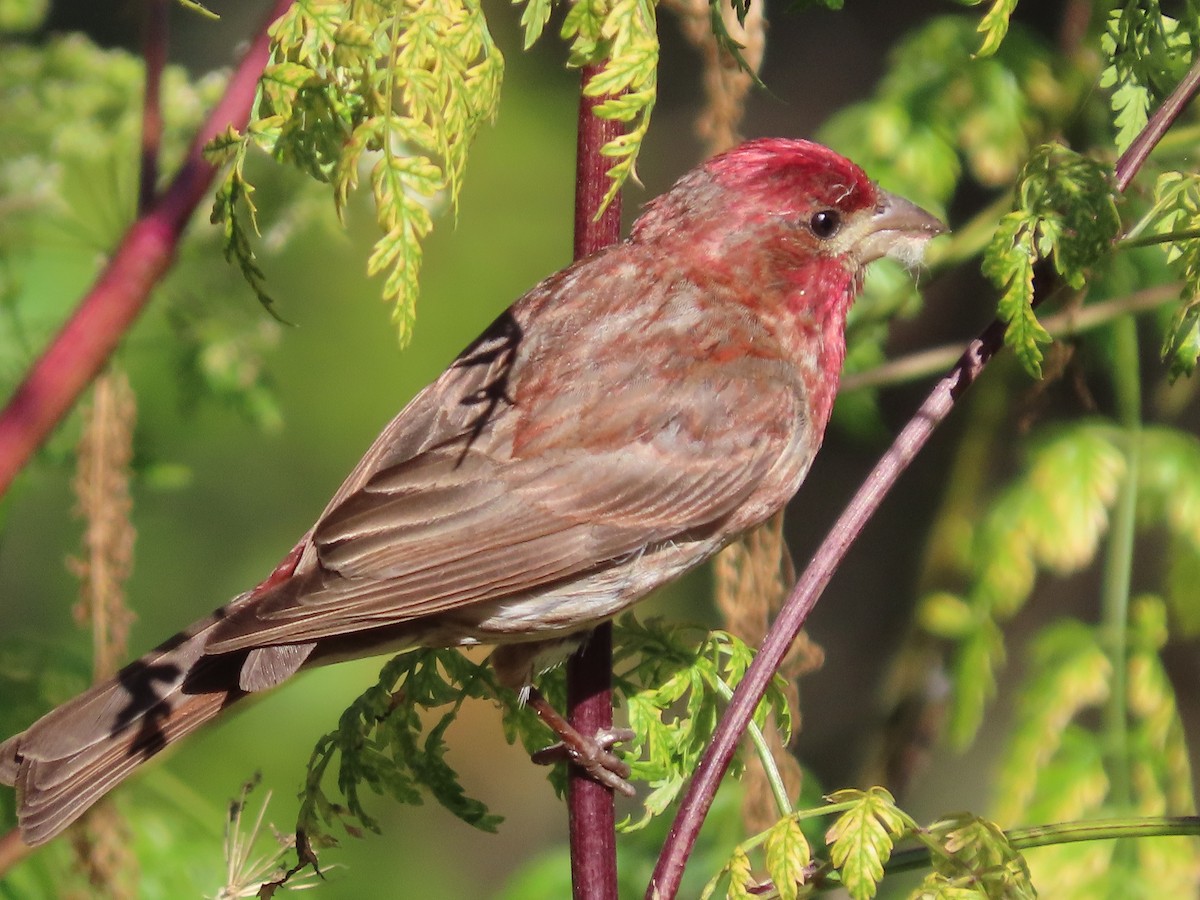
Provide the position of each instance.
(825, 224)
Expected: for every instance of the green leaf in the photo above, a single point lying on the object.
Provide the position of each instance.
(377, 745)
(1169, 498)
(624, 37)
(788, 856)
(973, 674)
(533, 19)
(740, 877)
(862, 838)
(233, 208)
(946, 615)
(978, 855)
(1176, 211)
(1008, 264)
(1148, 53)
(1052, 516)
(582, 28)
(994, 24)
(1069, 673)
(661, 667)
(1064, 211)
(409, 84)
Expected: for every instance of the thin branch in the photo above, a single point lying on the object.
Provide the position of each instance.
(142, 258)
(1022, 839)
(589, 671)
(697, 800)
(1164, 117)
(1065, 324)
(154, 57)
(668, 873)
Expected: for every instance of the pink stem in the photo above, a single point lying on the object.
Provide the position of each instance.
(144, 255)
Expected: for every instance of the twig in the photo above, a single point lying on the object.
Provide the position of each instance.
(664, 883)
(1064, 324)
(143, 257)
(589, 671)
(1131, 160)
(154, 57)
(1022, 839)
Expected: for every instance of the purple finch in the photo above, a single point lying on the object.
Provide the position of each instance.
(614, 428)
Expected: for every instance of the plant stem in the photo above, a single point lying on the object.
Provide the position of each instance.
(1151, 240)
(770, 767)
(142, 258)
(589, 671)
(154, 58)
(1118, 562)
(1068, 323)
(1023, 839)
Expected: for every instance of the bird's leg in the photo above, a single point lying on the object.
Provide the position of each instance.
(514, 665)
(592, 754)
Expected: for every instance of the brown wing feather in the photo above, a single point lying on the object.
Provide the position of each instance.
(490, 485)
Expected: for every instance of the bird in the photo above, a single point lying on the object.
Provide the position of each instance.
(612, 429)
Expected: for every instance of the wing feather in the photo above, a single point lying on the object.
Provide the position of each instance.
(570, 471)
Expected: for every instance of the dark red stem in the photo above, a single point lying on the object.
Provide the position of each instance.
(589, 671)
(144, 255)
(591, 177)
(668, 873)
(154, 57)
(1164, 117)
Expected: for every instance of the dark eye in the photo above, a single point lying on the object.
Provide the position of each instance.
(825, 224)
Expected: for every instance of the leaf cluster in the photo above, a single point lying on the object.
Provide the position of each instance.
(396, 89)
(968, 858)
(1148, 52)
(1060, 764)
(1174, 217)
(382, 742)
(398, 92)
(1065, 211)
(673, 681)
(1053, 518)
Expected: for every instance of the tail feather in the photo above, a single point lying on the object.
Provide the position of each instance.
(53, 793)
(67, 760)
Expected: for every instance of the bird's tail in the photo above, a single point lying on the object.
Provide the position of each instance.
(72, 756)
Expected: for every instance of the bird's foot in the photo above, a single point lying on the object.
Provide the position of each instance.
(593, 755)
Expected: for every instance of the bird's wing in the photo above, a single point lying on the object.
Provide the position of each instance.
(441, 531)
(585, 458)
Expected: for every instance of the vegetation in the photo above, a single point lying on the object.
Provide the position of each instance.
(1057, 567)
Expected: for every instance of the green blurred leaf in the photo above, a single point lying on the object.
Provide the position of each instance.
(1065, 211)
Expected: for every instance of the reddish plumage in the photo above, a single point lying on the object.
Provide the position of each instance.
(615, 427)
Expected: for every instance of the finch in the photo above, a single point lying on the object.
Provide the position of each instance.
(614, 428)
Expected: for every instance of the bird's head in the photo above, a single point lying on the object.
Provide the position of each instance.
(786, 228)
(794, 199)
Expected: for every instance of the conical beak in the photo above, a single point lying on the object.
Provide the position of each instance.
(897, 228)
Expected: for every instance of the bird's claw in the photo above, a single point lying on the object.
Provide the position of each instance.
(594, 756)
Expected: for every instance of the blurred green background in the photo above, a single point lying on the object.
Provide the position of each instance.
(221, 500)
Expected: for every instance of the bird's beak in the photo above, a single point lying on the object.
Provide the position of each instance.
(897, 228)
